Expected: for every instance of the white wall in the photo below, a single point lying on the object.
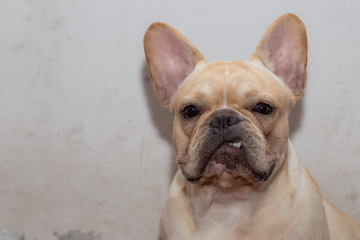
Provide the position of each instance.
(85, 145)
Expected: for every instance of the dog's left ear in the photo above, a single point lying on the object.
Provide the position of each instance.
(283, 50)
(170, 58)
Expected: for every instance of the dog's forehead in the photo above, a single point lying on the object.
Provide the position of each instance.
(227, 81)
(242, 72)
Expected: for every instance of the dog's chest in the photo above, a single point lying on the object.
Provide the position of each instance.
(219, 220)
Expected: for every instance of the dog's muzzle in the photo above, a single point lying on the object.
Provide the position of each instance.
(228, 145)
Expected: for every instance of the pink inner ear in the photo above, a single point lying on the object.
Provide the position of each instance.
(174, 61)
(285, 54)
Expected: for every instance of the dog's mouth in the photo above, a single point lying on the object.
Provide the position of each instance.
(231, 159)
(229, 155)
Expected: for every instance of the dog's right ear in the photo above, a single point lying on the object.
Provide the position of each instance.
(170, 58)
(283, 50)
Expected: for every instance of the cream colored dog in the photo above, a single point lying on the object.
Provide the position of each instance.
(238, 176)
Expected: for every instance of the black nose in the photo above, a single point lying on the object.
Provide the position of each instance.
(224, 121)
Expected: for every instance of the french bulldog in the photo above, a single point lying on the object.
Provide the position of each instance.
(239, 177)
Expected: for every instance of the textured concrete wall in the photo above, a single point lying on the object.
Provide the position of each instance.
(85, 145)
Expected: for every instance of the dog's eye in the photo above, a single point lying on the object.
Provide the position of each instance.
(263, 108)
(190, 112)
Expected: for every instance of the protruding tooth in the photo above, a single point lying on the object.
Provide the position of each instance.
(236, 144)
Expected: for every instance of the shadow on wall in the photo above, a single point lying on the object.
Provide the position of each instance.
(163, 120)
(296, 117)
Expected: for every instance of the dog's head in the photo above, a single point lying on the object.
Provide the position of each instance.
(231, 118)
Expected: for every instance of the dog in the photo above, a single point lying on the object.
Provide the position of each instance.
(239, 177)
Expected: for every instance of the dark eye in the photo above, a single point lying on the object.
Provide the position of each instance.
(263, 108)
(190, 112)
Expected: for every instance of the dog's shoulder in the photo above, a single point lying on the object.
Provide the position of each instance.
(341, 225)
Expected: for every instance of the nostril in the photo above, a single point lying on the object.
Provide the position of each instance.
(215, 122)
(232, 120)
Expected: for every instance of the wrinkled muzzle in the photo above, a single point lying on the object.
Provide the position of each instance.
(227, 142)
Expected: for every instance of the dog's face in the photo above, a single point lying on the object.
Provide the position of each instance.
(230, 122)
(231, 118)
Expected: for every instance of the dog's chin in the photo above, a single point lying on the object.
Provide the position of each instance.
(228, 167)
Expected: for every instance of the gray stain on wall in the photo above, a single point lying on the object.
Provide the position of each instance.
(6, 234)
(78, 235)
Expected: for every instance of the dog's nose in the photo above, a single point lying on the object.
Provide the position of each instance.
(224, 121)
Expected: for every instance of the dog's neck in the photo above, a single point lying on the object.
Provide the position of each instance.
(214, 206)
